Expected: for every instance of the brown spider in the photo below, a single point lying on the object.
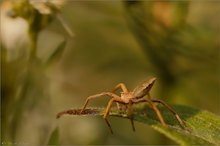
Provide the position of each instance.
(128, 98)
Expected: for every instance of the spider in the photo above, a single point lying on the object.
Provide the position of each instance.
(128, 98)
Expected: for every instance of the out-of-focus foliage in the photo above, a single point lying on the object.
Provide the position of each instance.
(170, 41)
(56, 55)
(54, 137)
(115, 41)
(24, 83)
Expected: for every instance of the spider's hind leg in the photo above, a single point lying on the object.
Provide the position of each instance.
(154, 107)
(157, 111)
(171, 110)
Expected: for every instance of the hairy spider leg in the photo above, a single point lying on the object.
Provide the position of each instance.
(96, 96)
(157, 111)
(165, 105)
(114, 99)
(171, 110)
(124, 89)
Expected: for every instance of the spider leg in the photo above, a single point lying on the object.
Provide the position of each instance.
(130, 114)
(153, 106)
(157, 111)
(132, 123)
(124, 89)
(122, 86)
(130, 111)
(96, 96)
(114, 99)
(171, 110)
(168, 107)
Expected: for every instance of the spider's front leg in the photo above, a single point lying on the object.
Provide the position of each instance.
(124, 89)
(96, 96)
(114, 99)
(122, 86)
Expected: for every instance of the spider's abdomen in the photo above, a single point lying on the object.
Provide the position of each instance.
(143, 89)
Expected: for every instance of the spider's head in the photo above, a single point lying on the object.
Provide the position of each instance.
(126, 96)
(144, 88)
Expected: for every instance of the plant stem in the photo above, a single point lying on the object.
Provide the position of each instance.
(22, 97)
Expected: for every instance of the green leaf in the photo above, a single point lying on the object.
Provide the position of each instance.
(203, 127)
(54, 137)
(56, 55)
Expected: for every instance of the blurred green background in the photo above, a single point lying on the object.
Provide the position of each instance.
(114, 41)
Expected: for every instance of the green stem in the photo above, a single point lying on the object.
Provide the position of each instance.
(22, 97)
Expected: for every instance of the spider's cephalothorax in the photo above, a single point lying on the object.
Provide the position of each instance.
(128, 98)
